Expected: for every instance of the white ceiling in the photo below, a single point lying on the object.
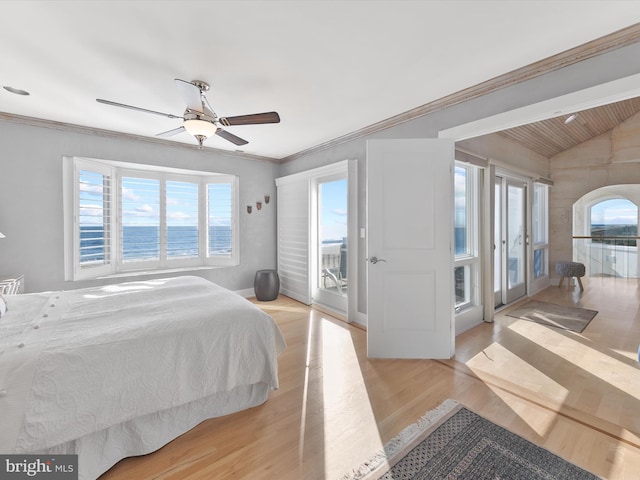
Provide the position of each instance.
(328, 67)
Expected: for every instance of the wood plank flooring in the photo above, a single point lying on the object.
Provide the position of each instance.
(577, 395)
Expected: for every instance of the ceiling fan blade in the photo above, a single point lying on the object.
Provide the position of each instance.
(190, 94)
(231, 137)
(253, 119)
(131, 107)
(170, 133)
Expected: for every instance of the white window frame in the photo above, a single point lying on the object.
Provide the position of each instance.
(471, 258)
(542, 208)
(116, 170)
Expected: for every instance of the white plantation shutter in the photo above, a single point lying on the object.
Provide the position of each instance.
(293, 239)
(93, 225)
(94, 218)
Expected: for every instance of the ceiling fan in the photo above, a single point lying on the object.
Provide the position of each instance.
(199, 119)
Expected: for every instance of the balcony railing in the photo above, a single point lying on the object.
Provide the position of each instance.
(608, 256)
(333, 267)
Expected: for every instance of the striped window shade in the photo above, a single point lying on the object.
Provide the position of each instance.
(94, 218)
(293, 240)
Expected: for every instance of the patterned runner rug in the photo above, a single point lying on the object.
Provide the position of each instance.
(575, 319)
(452, 442)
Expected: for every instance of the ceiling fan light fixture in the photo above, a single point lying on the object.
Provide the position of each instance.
(197, 127)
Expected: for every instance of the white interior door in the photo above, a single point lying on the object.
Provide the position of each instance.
(409, 248)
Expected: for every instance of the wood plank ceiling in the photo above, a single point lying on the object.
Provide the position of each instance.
(552, 136)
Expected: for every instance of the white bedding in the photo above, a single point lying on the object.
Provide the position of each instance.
(74, 363)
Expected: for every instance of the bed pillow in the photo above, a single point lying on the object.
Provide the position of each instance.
(3, 306)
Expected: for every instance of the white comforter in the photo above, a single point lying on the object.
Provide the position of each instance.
(76, 362)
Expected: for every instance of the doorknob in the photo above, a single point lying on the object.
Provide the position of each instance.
(375, 260)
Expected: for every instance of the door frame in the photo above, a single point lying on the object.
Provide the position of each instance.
(306, 177)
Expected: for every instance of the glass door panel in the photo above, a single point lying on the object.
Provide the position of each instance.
(515, 240)
(332, 275)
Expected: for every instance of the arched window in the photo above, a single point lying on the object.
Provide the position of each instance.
(612, 219)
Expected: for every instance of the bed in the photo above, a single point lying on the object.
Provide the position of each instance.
(120, 370)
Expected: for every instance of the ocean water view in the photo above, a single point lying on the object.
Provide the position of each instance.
(618, 231)
(141, 243)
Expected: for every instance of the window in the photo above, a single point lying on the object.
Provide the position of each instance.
(182, 219)
(467, 261)
(140, 219)
(540, 230)
(611, 250)
(221, 216)
(127, 217)
(612, 220)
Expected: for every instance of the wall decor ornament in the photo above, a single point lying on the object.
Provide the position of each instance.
(249, 208)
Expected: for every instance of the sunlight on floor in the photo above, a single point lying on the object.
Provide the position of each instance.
(622, 375)
(353, 432)
(305, 394)
(497, 360)
(280, 308)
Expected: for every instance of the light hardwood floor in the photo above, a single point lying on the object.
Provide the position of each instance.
(577, 395)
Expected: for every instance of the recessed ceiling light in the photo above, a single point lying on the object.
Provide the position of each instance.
(17, 91)
(570, 118)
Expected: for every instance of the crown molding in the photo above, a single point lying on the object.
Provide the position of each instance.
(621, 38)
(70, 127)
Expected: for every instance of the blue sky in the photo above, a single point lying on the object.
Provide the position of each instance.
(141, 202)
(333, 210)
(460, 197)
(617, 211)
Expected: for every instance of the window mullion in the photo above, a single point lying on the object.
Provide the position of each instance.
(115, 225)
(203, 220)
(163, 220)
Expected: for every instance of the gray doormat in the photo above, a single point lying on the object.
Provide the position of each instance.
(568, 318)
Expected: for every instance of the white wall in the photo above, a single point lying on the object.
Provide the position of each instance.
(31, 213)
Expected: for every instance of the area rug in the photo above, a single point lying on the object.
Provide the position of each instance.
(568, 318)
(452, 442)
